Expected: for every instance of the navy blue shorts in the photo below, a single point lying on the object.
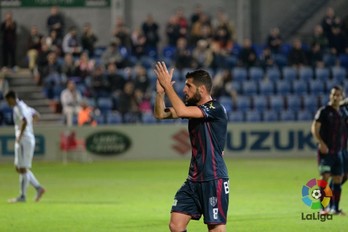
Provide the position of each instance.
(209, 199)
(330, 163)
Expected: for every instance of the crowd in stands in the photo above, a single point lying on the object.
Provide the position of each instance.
(269, 82)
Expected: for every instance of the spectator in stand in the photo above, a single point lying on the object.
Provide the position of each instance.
(86, 115)
(128, 104)
(55, 22)
(34, 46)
(338, 42)
(222, 85)
(41, 63)
(150, 30)
(112, 54)
(297, 56)
(172, 31)
(84, 67)
(98, 84)
(9, 40)
(202, 55)
(88, 39)
(70, 99)
(196, 14)
(222, 22)
(69, 69)
(200, 29)
(318, 37)
(182, 21)
(71, 42)
(51, 75)
(315, 56)
(274, 40)
(267, 59)
(54, 43)
(247, 55)
(138, 43)
(141, 80)
(329, 20)
(122, 34)
(116, 83)
(183, 55)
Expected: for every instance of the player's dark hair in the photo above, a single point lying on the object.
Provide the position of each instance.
(11, 94)
(201, 77)
(337, 87)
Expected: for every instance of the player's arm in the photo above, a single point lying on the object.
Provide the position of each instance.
(181, 110)
(36, 115)
(22, 129)
(160, 110)
(315, 132)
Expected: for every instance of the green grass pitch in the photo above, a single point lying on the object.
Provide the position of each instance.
(265, 195)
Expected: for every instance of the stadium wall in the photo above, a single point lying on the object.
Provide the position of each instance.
(161, 141)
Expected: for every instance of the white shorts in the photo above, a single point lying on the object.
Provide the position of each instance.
(24, 152)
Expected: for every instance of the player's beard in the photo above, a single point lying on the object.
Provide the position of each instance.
(193, 100)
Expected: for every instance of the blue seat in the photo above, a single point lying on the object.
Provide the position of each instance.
(236, 116)
(169, 52)
(324, 100)
(113, 118)
(239, 74)
(276, 103)
(316, 87)
(260, 103)
(289, 73)
(343, 58)
(148, 118)
(287, 115)
(330, 83)
(338, 73)
(104, 105)
(249, 88)
(299, 87)
(283, 87)
(243, 103)
(280, 60)
(322, 74)
(293, 102)
(304, 115)
(270, 116)
(273, 74)
(305, 73)
(253, 116)
(256, 73)
(266, 88)
(311, 102)
(227, 102)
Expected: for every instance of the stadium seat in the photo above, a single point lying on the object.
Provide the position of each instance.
(304, 115)
(276, 103)
(237, 86)
(236, 116)
(323, 100)
(343, 58)
(299, 87)
(270, 116)
(239, 74)
(280, 60)
(243, 103)
(148, 118)
(169, 52)
(266, 88)
(289, 73)
(310, 103)
(256, 73)
(305, 73)
(249, 88)
(113, 118)
(322, 74)
(287, 115)
(260, 103)
(273, 74)
(293, 102)
(316, 87)
(253, 116)
(338, 73)
(227, 102)
(104, 105)
(283, 87)
(330, 83)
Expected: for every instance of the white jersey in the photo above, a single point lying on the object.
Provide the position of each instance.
(21, 111)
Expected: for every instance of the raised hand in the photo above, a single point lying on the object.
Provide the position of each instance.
(164, 78)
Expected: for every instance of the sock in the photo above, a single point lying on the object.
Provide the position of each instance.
(331, 201)
(23, 184)
(336, 191)
(32, 179)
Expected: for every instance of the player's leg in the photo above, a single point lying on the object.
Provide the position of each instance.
(217, 228)
(337, 175)
(178, 222)
(184, 207)
(345, 165)
(324, 165)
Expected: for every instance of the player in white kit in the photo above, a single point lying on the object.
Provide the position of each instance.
(23, 117)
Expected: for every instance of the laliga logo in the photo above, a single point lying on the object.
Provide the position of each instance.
(316, 194)
(311, 194)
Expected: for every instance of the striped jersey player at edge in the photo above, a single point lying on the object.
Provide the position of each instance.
(206, 190)
(23, 117)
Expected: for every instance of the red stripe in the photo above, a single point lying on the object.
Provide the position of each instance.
(219, 194)
(212, 150)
